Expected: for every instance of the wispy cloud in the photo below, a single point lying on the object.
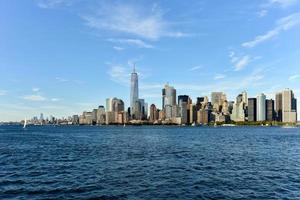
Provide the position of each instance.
(239, 62)
(34, 98)
(219, 76)
(242, 63)
(195, 68)
(282, 25)
(262, 13)
(55, 99)
(147, 23)
(119, 74)
(293, 77)
(118, 48)
(53, 3)
(35, 89)
(59, 79)
(3, 92)
(133, 42)
(282, 3)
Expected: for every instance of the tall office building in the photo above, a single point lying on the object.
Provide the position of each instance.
(134, 91)
(239, 108)
(278, 107)
(183, 98)
(261, 107)
(109, 104)
(117, 105)
(136, 111)
(270, 112)
(153, 113)
(183, 112)
(251, 109)
(217, 100)
(143, 109)
(245, 98)
(216, 97)
(289, 106)
(168, 96)
(101, 115)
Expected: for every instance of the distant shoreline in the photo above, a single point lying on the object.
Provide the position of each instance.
(168, 125)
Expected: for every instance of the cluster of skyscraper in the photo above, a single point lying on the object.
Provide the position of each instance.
(181, 109)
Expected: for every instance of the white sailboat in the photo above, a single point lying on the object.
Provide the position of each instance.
(25, 123)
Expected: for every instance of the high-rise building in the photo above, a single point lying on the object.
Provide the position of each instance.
(136, 111)
(168, 96)
(218, 97)
(251, 109)
(192, 114)
(94, 116)
(289, 106)
(183, 98)
(239, 108)
(109, 104)
(153, 113)
(183, 112)
(117, 105)
(134, 91)
(278, 107)
(261, 107)
(270, 113)
(169, 102)
(203, 116)
(143, 109)
(101, 115)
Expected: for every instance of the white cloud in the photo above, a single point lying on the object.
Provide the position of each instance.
(3, 92)
(133, 42)
(118, 48)
(282, 3)
(219, 76)
(59, 79)
(35, 89)
(142, 22)
(262, 13)
(195, 68)
(242, 63)
(119, 74)
(34, 98)
(282, 25)
(55, 99)
(239, 62)
(293, 77)
(53, 3)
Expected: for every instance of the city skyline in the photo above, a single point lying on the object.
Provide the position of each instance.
(63, 57)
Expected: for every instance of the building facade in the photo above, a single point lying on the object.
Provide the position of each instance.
(270, 111)
(261, 107)
(252, 109)
(134, 92)
(289, 106)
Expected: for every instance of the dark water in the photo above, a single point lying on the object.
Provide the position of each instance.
(149, 163)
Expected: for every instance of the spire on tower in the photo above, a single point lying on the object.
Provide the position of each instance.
(134, 68)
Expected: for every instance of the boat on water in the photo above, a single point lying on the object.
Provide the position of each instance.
(25, 124)
(228, 125)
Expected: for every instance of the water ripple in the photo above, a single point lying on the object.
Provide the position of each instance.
(149, 163)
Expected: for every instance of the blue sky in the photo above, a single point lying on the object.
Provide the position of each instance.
(61, 57)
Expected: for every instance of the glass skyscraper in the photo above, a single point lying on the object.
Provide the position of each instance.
(134, 91)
